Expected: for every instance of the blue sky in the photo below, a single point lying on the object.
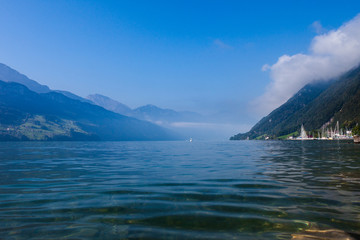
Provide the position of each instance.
(203, 56)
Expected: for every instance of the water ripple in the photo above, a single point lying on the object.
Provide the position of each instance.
(177, 190)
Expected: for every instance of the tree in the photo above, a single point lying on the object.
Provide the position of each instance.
(356, 130)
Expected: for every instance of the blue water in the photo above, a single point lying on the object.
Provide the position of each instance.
(178, 190)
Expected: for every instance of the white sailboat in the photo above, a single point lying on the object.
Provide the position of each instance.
(303, 135)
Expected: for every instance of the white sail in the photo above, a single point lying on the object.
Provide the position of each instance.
(303, 134)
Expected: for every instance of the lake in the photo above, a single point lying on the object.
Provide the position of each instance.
(178, 190)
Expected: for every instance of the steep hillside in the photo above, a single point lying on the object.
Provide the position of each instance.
(313, 106)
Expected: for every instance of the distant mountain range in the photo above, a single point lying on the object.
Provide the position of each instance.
(148, 112)
(31, 111)
(73, 96)
(109, 104)
(315, 105)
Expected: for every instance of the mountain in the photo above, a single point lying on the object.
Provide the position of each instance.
(73, 96)
(153, 113)
(27, 115)
(315, 105)
(110, 104)
(8, 74)
(148, 112)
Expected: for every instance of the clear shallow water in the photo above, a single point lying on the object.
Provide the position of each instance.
(177, 190)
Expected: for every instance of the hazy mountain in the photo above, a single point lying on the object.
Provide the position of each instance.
(110, 104)
(155, 114)
(8, 74)
(27, 115)
(314, 105)
(148, 112)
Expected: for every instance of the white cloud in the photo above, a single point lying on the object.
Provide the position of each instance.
(331, 54)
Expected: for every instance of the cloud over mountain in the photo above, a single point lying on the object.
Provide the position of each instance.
(331, 54)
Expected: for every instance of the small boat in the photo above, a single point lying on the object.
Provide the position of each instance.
(190, 140)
